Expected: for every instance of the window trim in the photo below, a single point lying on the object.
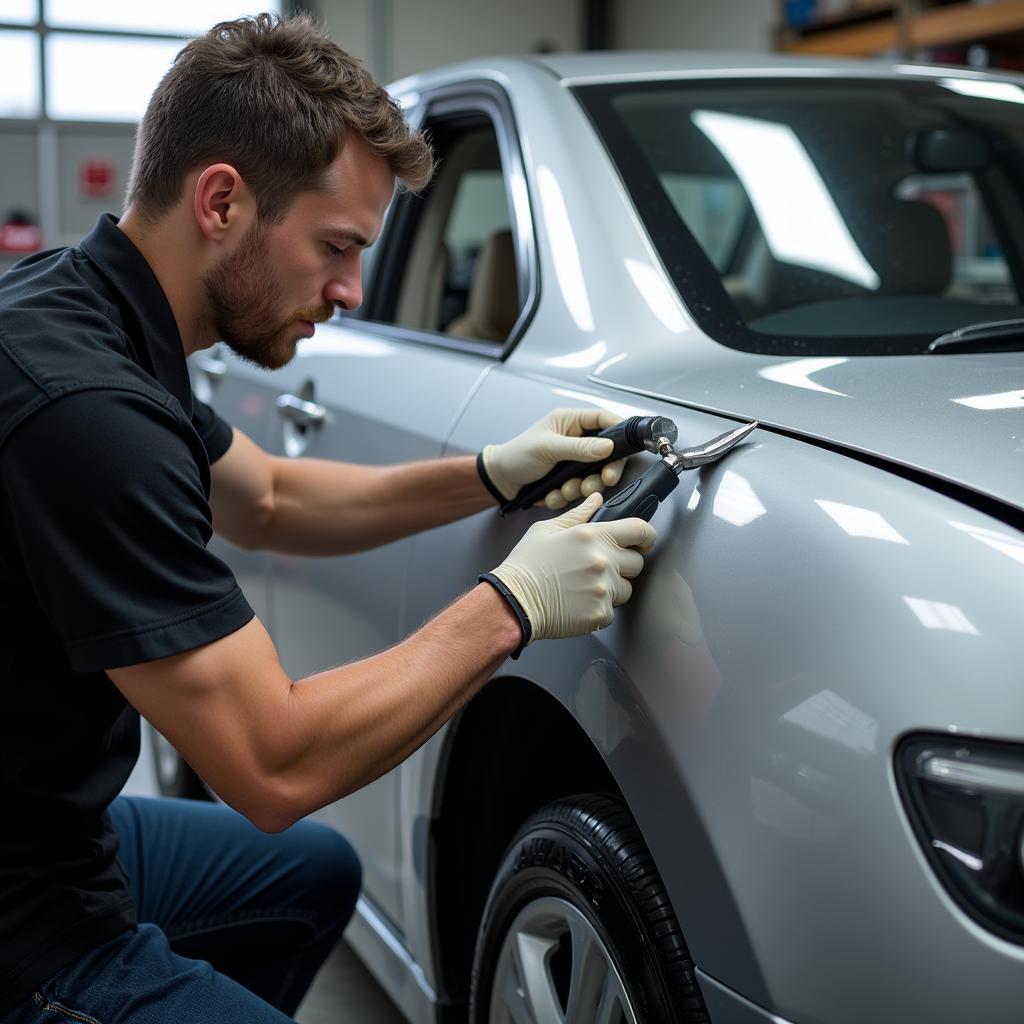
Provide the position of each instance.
(473, 98)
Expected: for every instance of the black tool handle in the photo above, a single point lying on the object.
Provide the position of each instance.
(627, 437)
(642, 497)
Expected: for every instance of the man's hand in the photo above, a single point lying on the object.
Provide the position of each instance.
(569, 575)
(558, 437)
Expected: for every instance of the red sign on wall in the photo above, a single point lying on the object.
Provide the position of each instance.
(97, 178)
(18, 234)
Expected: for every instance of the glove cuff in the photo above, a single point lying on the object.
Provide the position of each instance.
(517, 608)
(481, 468)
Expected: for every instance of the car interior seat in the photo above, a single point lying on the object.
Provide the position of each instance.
(492, 306)
(421, 294)
(906, 243)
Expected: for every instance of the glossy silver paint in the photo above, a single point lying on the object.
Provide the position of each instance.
(802, 610)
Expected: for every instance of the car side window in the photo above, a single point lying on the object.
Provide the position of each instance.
(451, 267)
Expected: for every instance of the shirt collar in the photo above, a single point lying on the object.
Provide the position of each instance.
(126, 269)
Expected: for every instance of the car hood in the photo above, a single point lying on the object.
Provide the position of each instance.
(959, 418)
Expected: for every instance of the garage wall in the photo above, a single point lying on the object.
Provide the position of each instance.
(399, 37)
(348, 23)
(690, 25)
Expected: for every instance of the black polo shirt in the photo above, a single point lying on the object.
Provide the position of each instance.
(104, 522)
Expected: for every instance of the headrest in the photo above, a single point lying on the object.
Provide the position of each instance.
(492, 305)
(908, 245)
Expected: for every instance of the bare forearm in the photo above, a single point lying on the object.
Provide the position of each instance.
(331, 508)
(343, 728)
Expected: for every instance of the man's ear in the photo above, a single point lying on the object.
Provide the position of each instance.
(222, 202)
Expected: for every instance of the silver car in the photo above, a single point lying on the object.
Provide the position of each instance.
(787, 784)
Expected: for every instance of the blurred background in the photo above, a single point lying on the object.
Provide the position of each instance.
(75, 75)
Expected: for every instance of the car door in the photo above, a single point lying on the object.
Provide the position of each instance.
(240, 396)
(385, 387)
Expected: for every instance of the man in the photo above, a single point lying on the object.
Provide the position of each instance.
(263, 168)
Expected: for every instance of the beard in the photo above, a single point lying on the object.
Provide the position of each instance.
(243, 298)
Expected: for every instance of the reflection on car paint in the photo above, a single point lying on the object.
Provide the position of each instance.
(735, 500)
(1004, 543)
(1002, 400)
(564, 250)
(828, 715)
(860, 522)
(797, 373)
(662, 301)
(938, 615)
(582, 359)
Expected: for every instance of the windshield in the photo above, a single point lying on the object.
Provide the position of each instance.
(827, 216)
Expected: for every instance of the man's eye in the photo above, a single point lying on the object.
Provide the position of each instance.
(334, 250)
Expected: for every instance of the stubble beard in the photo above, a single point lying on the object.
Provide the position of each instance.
(244, 300)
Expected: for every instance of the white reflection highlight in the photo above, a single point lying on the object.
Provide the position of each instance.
(582, 359)
(800, 220)
(861, 522)
(694, 499)
(735, 500)
(564, 250)
(619, 408)
(331, 344)
(968, 860)
(827, 714)
(1002, 400)
(797, 373)
(1005, 91)
(936, 615)
(609, 363)
(660, 299)
(1004, 543)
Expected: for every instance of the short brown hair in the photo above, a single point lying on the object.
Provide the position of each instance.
(275, 98)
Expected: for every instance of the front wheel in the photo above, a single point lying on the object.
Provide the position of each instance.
(578, 927)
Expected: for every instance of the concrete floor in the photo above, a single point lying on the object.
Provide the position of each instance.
(343, 990)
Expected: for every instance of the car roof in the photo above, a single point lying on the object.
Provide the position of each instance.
(617, 66)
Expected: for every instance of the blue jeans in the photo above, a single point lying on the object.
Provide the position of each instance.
(233, 923)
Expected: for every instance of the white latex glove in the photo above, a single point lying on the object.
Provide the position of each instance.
(569, 575)
(556, 438)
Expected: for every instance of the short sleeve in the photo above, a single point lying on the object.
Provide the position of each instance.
(105, 500)
(216, 434)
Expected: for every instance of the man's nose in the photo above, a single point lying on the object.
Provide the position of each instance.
(345, 291)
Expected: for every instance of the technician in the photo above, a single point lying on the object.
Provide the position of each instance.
(263, 167)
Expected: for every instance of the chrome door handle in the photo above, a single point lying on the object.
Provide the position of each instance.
(210, 365)
(300, 412)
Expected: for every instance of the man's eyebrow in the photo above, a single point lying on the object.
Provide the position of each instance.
(349, 235)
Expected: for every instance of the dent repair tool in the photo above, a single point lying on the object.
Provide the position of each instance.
(635, 434)
(642, 497)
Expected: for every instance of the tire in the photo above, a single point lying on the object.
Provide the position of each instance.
(578, 927)
(171, 771)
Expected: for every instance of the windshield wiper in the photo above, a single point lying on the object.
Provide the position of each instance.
(987, 337)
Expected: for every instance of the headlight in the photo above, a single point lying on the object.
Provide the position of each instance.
(965, 799)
